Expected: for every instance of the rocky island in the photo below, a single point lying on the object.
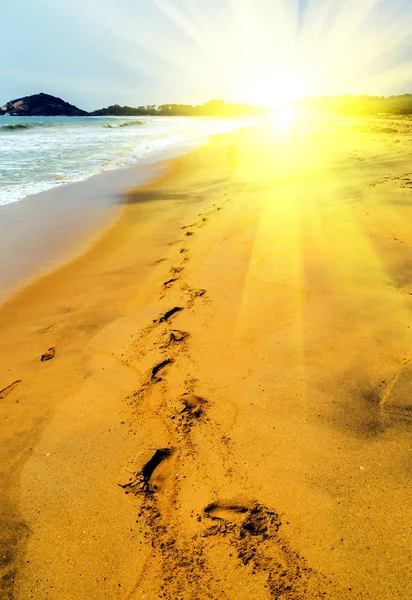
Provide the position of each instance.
(43, 105)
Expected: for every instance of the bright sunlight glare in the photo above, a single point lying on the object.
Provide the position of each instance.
(284, 118)
(264, 52)
(274, 87)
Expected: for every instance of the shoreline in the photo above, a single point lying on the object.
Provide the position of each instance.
(45, 231)
(218, 331)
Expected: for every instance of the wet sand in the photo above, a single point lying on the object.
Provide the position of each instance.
(46, 230)
(227, 414)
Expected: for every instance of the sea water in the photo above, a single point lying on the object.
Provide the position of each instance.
(41, 153)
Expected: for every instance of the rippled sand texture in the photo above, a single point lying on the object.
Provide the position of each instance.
(227, 412)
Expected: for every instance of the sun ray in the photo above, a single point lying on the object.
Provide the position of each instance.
(262, 52)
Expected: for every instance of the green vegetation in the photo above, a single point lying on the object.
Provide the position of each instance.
(348, 105)
(358, 105)
(214, 108)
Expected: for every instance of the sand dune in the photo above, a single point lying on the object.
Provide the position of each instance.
(227, 413)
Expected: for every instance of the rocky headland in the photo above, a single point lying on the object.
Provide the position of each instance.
(43, 105)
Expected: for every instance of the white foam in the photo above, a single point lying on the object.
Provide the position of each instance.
(55, 151)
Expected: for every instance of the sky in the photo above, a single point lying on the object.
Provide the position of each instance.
(93, 53)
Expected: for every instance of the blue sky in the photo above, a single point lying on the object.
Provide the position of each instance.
(99, 52)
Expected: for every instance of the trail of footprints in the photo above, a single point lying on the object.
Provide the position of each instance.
(249, 532)
(403, 181)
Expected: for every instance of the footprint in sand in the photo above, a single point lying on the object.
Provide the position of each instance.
(176, 336)
(196, 293)
(191, 409)
(253, 531)
(197, 224)
(159, 367)
(153, 470)
(169, 314)
(51, 353)
(169, 282)
(7, 390)
(210, 212)
(233, 513)
(167, 285)
(193, 294)
(252, 519)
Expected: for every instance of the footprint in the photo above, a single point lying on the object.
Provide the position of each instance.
(169, 282)
(210, 212)
(177, 336)
(253, 520)
(51, 353)
(261, 521)
(197, 293)
(194, 293)
(233, 513)
(153, 471)
(187, 411)
(159, 367)
(7, 390)
(174, 337)
(170, 313)
(176, 269)
(191, 405)
(189, 226)
(197, 224)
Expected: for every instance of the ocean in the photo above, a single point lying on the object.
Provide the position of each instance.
(42, 153)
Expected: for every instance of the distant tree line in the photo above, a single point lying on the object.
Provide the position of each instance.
(339, 105)
(214, 108)
(358, 105)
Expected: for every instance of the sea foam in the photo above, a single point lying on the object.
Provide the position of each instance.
(40, 153)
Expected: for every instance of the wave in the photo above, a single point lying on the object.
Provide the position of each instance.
(25, 126)
(127, 123)
(13, 126)
(122, 124)
(22, 126)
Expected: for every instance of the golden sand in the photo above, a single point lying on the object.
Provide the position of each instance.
(226, 413)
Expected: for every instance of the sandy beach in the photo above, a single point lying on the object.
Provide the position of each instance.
(223, 407)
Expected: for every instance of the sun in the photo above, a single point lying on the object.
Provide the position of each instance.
(273, 88)
(284, 117)
(277, 90)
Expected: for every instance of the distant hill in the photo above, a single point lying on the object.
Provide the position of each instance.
(42, 105)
